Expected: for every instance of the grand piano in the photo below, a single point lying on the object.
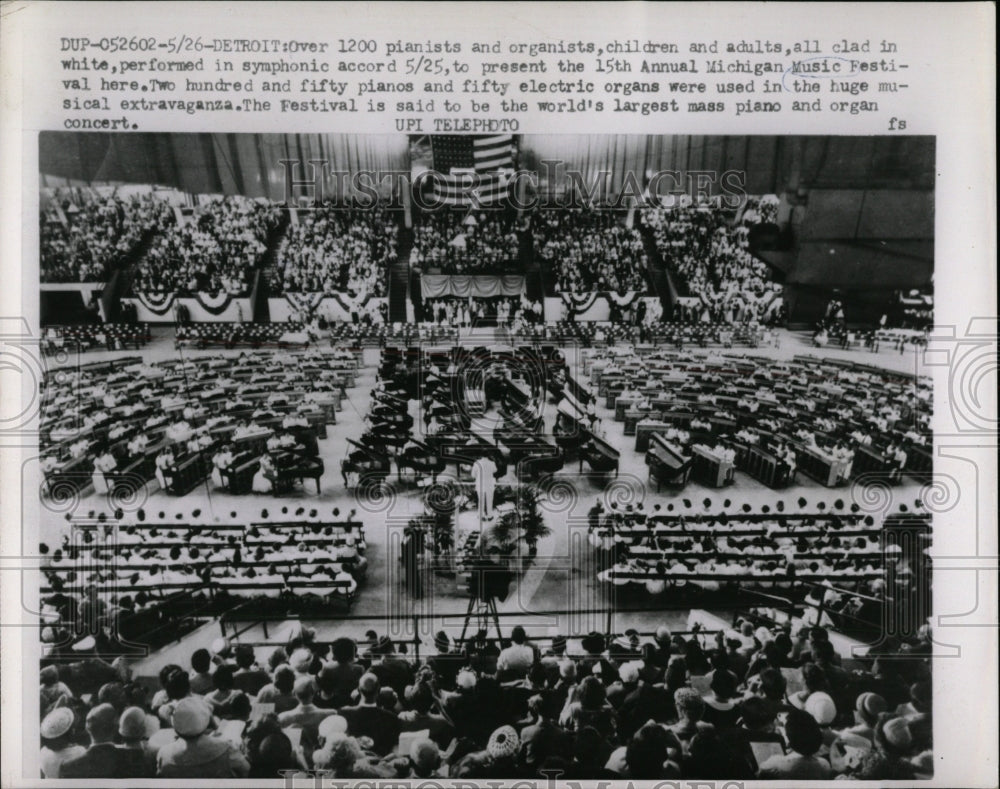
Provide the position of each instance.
(384, 441)
(532, 454)
(393, 423)
(421, 458)
(367, 461)
(464, 447)
(572, 435)
(602, 457)
(569, 431)
(667, 464)
(292, 467)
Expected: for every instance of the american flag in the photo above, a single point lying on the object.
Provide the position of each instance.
(465, 163)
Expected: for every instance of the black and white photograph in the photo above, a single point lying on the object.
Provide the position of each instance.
(485, 457)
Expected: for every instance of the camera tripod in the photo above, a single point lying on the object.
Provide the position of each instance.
(484, 611)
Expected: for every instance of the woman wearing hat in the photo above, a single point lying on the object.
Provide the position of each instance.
(196, 753)
(58, 743)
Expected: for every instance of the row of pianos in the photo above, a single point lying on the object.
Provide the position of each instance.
(518, 437)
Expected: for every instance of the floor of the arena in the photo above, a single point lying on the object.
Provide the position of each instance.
(558, 580)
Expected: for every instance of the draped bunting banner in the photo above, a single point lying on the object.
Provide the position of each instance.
(308, 303)
(214, 304)
(434, 286)
(579, 303)
(161, 303)
(304, 302)
(157, 303)
(350, 303)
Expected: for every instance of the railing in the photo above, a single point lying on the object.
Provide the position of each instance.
(243, 621)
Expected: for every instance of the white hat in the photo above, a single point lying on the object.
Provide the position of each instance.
(629, 672)
(301, 660)
(821, 707)
(503, 742)
(763, 635)
(191, 716)
(331, 725)
(466, 680)
(136, 724)
(57, 723)
(84, 644)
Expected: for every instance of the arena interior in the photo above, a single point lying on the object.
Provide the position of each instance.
(491, 468)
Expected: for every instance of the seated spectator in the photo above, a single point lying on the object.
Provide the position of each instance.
(197, 753)
(367, 719)
(201, 676)
(590, 709)
(804, 739)
(104, 759)
(646, 756)
(344, 758)
(135, 727)
(305, 715)
(515, 661)
(758, 720)
(391, 670)
(889, 760)
(52, 689)
(721, 708)
(339, 679)
(274, 757)
(425, 759)
(248, 677)
(591, 752)
(58, 741)
(280, 691)
(419, 717)
(690, 709)
(716, 755)
(224, 695)
(176, 686)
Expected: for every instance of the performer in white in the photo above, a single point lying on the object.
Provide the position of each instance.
(483, 472)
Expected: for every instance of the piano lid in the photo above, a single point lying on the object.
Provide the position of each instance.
(569, 409)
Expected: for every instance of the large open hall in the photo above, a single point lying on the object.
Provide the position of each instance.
(492, 457)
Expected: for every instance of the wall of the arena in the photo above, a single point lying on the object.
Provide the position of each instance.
(333, 308)
(859, 213)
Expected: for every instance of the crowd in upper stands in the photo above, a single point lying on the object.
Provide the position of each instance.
(459, 242)
(760, 700)
(216, 251)
(590, 250)
(709, 256)
(332, 249)
(98, 232)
